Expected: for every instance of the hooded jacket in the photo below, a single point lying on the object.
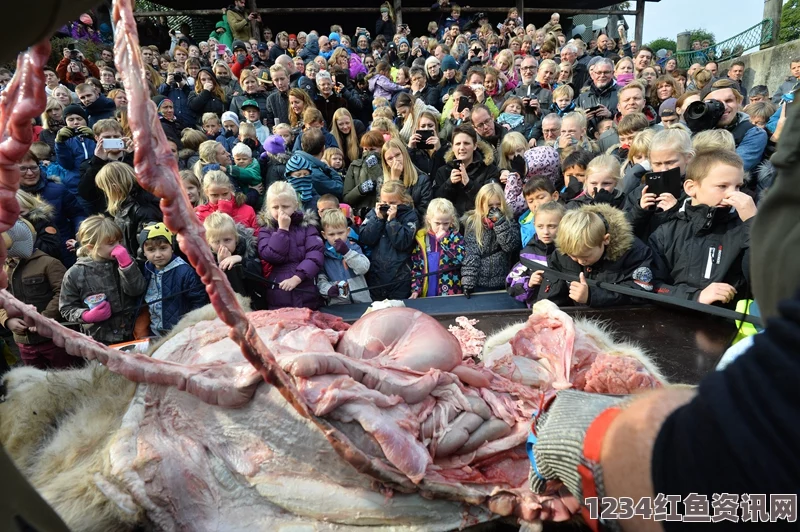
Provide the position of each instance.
(383, 87)
(122, 288)
(68, 213)
(48, 238)
(205, 101)
(451, 255)
(297, 251)
(350, 267)
(311, 48)
(138, 209)
(626, 261)
(392, 243)
(179, 96)
(225, 37)
(483, 170)
(699, 246)
(486, 265)
(177, 276)
(534, 254)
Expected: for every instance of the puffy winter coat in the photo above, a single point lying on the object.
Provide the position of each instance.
(243, 214)
(480, 172)
(298, 251)
(644, 222)
(421, 193)
(392, 243)
(383, 87)
(534, 254)
(450, 250)
(68, 213)
(486, 266)
(138, 209)
(350, 267)
(273, 167)
(205, 102)
(626, 261)
(48, 238)
(361, 170)
(617, 200)
(325, 179)
(70, 154)
(177, 276)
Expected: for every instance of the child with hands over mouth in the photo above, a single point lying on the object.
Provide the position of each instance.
(345, 263)
(439, 251)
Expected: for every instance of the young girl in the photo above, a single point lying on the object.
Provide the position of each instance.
(100, 289)
(511, 116)
(217, 187)
(193, 187)
(334, 157)
(379, 83)
(640, 147)
(541, 161)
(440, 247)
(389, 231)
(512, 148)
(600, 186)
(294, 248)
(491, 240)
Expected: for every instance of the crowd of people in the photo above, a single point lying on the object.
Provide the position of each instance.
(332, 169)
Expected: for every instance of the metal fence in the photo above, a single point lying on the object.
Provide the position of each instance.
(750, 38)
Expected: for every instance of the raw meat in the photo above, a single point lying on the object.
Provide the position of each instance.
(470, 338)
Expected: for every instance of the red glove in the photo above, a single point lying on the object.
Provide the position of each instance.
(99, 313)
(121, 255)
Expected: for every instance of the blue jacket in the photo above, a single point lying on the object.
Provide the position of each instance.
(68, 212)
(325, 179)
(180, 98)
(228, 142)
(70, 155)
(100, 109)
(330, 141)
(176, 277)
(526, 228)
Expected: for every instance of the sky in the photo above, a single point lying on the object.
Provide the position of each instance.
(723, 18)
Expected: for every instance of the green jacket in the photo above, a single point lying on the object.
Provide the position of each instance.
(246, 177)
(225, 37)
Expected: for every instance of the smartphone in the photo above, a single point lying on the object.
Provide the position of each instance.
(594, 108)
(341, 79)
(664, 182)
(464, 103)
(424, 135)
(113, 144)
(221, 49)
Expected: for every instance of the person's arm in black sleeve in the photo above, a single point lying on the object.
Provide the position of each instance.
(87, 188)
(198, 102)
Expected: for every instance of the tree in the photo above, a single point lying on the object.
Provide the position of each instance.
(790, 21)
(663, 42)
(701, 35)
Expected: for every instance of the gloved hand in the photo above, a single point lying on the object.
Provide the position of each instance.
(467, 292)
(495, 215)
(333, 291)
(121, 255)
(366, 187)
(99, 313)
(86, 131)
(603, 196)
(341, 247)
(63, 134)
(557, 448)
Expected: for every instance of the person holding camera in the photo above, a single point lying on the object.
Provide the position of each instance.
(385, 24)
(239, 21)
(535, 97)
(74, 68)
(176, 89)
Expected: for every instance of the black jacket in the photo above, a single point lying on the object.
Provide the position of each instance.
(87, 188)
(328, 106)
(480, 172)
(259, 97)
(431, 96)
(206, 102)
(645, 222)
(617, 200)
(700, 246)
(277, 107)
(138, 209)
(392, 244)
(626, 258)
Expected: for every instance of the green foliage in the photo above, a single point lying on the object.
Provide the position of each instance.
(663, 42)
(790, 21)
(89, 49)
(701, 35)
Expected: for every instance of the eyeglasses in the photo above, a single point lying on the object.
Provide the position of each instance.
(603, 72)
(527, 68)
(483, 125)
(28, 169)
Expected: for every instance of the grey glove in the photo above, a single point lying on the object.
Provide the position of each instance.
(558, 445)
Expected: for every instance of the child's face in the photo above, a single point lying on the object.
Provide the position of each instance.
(280, 204)
(157, 252)
(391, 199)
(214, 193)
(251, 114)
(598, 181)
(242, 161)
(663, 160)
(332, 234)
(563, 102)
(286, 135)
(440, 224)
(514, 109)
(75, 121)
(546, 225)
(103, 249)
(758, 122)
(722, 180)
(337, 161)
(589, 256)
(578, 172)
(225, 239)
(192, 192)
(625, 140)
(212, 128)
(323, 206)
(495, 202)
(638, 159)
(538, 198)
(232, 127)
(604, 126)
(300, 173)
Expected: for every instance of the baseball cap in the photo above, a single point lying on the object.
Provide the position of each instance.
(250, 103)
(262, 47)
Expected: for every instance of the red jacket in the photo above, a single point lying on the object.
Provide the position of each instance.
(243, 214)
(72, 77)
(237, 67)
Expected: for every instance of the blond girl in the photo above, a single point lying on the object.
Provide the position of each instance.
(439, 251)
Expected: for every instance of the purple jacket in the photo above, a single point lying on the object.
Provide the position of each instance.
(381, 86)
(298, 251)
(356, 66)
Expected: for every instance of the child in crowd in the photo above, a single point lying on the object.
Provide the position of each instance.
(525, 278)
(75, 143)
(639, 150)
(537, 191)
(273, 160)
(345, 265)
(627, 129)
(41, 215)
(284, 131)
(102, 288)
(603, 126)
(563, 100)
(173, 287)
(211, 125)
(193, 187)
(439, 251)
(541, 161)
(389, 231)
(248, 136)
(713, 140)
(596, 242)
(298, 175)
(328, 202)
(293, 246)
(35, 279)
(702, 253)
(760, 113)
(573, 167)
(230, 130)
(252, 113)
(234, 248)
(334, 157)
(245, 172)
(222, 197)
(511, 116)
(600, 185)
(491, 242)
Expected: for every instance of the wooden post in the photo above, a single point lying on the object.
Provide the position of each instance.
(640, 23)
(773, 10)
(521, 11)
(255, 28)
(398, 12)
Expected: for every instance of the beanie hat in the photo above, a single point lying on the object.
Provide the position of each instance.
(86, 18)
(238, 44)
(19, 239)
(297, 162)
(275, 145)
(334, 37)
(75, 109)
(229, 116)
(449, 63)
(667, 107)
(402, 40)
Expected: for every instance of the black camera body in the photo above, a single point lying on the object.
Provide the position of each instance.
(701, 116)
(73, 53)
(178, 77)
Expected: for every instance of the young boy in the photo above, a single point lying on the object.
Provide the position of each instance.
(627, 129)
(173, 287)
(537, 191)
(211, 125)
(96, 105)
(563, 100)
(574, 169)
(525, 278)
(701, 254)
(34, 278)
(228, 137)
(329, 202)
(252, 113)
(246, 173)
(600, 184)
(596, 242)
(345, 265)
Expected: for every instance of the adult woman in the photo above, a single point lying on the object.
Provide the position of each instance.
(211, 152)
(225, 79)
(344, 131)
(564, 75)
(119, 97)
(63, 95)
(340, 59)
(547, 74)
(397, 166)
(252, 91)
(451, 76)
(457, 116)
(52, 121)
(207, 97)
(433, 70)
(362, 176)
(665, 87)
(671, 65)
(299, 101)
(153, 76)
(428, 155)
(648, 75)
(470, 165)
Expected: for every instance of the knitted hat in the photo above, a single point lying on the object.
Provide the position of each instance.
(249, 103)
(275, 145)
(402, 40)
(74, 109)
(667, 107)
(86, 18)
(297, 162)
(19, 239)
(449, 63)
(334, 37)
(229, 116)
(237, 45)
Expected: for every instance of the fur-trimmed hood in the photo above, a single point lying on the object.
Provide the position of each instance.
(307, 218)
(483, 154)
(42, 213)
(619, 229)
(246, 242)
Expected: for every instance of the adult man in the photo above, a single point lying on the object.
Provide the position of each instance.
(605, 48)
(324, 44)
(551, 128)
(791, 83)
(327, 101)
(440, 51)
(750, 140)
(277, 111)
(262, 50)
(486, 128)
(712, 67)
(643, 59)
(288, 65)
(535, 98)
(96, 105)
(108, 57)
(580, 71)
(630, 99)
(240, 58)
(601, 97)
(239, 21)
(759, 93)
(736, 73)
(420, 88)
(267, 33)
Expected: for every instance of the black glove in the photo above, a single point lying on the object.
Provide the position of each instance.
(467, 292)
(603, 196)
(495, 215)
(341, 247)
(366, 187)
(518, 165)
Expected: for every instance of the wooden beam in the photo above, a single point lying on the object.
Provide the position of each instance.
(255, 28)
(639, 23)
(521, 9)
(398, 11)
(313, 10)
